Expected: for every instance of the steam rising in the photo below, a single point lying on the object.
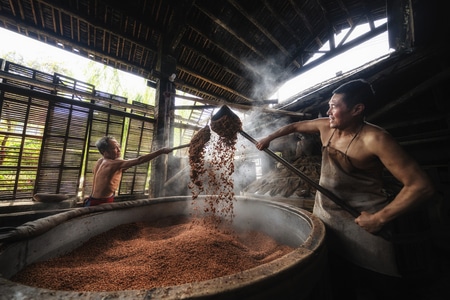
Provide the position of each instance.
(268, 76)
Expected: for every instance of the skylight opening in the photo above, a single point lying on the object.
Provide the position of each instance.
(358, 56)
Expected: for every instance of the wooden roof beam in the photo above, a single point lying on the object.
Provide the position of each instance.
(213, 82)
(217, 44)
(306, 22)
(264, 31)
(219, 22)
(205, 57)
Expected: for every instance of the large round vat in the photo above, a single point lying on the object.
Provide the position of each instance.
(300, 274)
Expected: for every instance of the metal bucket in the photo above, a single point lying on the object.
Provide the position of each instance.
(298, 275)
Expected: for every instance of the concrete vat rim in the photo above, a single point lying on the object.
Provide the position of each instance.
(301, 257)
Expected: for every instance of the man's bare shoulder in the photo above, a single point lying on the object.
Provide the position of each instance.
(376, 133)
(379, 140)
(98, 163)
(110, 164)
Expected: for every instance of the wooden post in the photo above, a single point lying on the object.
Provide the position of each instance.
(162, 136)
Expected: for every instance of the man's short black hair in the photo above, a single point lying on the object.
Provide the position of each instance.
(357, 91)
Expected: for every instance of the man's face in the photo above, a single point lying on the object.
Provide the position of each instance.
(114, 150)
(338, 111)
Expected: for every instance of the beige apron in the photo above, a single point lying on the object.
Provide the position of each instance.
(363, 190)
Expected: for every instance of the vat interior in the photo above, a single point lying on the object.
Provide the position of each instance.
(283, 223)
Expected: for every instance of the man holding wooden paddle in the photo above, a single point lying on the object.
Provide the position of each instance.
(354, 155)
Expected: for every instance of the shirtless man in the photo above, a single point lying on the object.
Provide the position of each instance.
(354, 154)
(108, 170)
